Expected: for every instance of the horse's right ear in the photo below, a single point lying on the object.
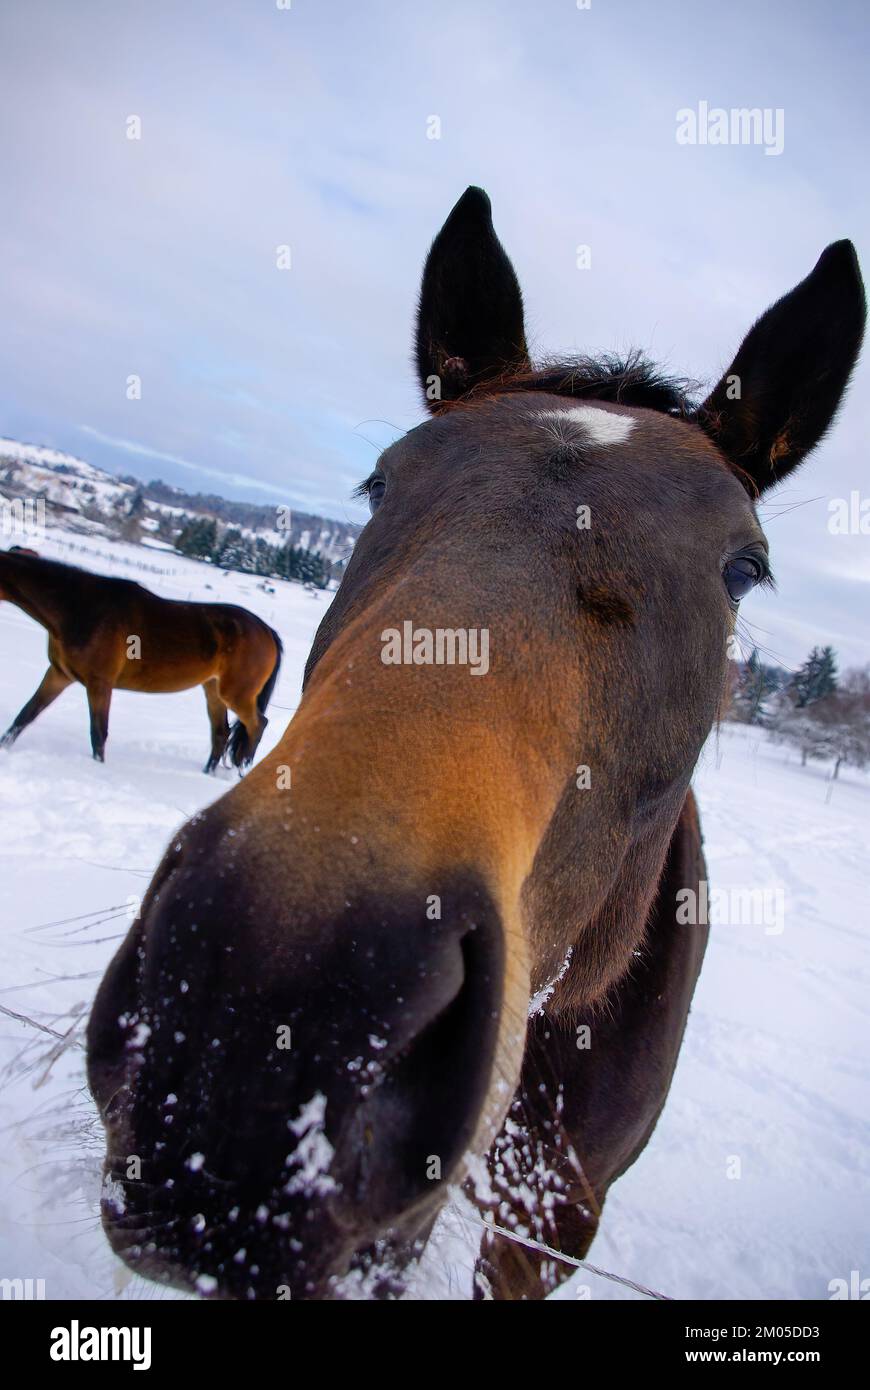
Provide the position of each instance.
(470, 320)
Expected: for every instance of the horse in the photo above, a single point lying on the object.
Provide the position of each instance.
(434, 941)
(113, 634)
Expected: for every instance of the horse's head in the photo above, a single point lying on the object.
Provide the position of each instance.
(322, 1009)
(9, 567)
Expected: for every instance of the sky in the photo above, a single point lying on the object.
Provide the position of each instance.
(308, 125)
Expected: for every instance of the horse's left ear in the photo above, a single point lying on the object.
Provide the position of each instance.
(783, 388)
(470, 321)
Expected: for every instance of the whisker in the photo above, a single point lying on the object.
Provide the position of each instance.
(571, 1260)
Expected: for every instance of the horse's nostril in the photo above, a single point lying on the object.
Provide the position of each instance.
(418, 1124)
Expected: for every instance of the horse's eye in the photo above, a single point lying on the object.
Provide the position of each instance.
(377, 488)
(741, 575)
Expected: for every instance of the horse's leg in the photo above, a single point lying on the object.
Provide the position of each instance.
(509, 1270)
(53, 683)
(590, 1094)
(535, 1154)
(99, 700)
(220, 728)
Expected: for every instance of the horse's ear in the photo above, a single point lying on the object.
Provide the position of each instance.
(470, 320)
(782, 390)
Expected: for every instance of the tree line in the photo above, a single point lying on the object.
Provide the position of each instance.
(231, 549)
(815, 709)
(252, 516)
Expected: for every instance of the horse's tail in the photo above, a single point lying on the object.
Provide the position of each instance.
(266, 693)
(240, 746)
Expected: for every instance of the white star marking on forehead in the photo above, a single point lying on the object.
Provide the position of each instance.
(601, 426)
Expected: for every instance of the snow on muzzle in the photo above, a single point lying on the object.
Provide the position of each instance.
(286, 1094)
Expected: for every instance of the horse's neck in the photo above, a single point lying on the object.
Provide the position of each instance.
(592, 1088)
(35, 597)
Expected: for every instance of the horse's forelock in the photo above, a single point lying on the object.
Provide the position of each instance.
(632, 380)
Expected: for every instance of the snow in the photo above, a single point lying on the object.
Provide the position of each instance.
(313, 1153)
(72, 485)
(38, 454)
(538, 1000)
(774, 1078)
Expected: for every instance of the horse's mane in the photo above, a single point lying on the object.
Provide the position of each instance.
(630, 380)
(53, 573)
(23, 557)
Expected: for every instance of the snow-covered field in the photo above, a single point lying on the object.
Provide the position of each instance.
(755, 1184)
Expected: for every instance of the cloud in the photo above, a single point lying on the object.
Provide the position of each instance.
(129, 446)
(308, 127)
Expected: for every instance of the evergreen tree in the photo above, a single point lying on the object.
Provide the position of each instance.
(264, 557)
(285, 562)
(755, 685)
(312, 569)
(198, 538)
(816, 678)
(235, 552)
(826, 676)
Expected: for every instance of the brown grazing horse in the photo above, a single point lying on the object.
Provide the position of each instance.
(448, 949)
(111, 634)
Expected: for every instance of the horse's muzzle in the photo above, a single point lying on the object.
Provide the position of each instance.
(286, 1097)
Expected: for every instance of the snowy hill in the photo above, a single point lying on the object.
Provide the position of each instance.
(75, 491)
(88, 500)
(775, 1071)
